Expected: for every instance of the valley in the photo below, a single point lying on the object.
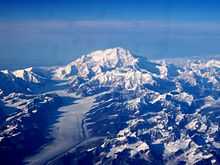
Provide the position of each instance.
(68, 129)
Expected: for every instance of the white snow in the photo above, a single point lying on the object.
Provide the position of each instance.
(1, 138)
(173, 147)
(163, 70)
(184, 97)
(133, 104)
(96, 61)
(213, 63)
(28, 75)
(134, 149)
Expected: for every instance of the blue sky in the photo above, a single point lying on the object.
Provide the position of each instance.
(110, 10)
(56, 32)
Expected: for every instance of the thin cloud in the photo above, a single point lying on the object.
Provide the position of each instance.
(201, 26)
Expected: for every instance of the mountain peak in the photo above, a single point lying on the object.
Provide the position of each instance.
(99, 61)
(114, 57)
(111, 52)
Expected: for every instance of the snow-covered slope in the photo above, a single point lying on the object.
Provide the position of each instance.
(108, 68)
(29, 76)
(97, 62)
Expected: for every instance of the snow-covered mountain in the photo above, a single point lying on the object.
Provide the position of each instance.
(10, 83)
(23, 80)
(29, 75)
(150, 112)
(97, 62)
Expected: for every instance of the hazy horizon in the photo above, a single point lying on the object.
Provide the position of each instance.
(41, 33)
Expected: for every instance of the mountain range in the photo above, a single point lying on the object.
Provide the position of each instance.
(148, 112)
